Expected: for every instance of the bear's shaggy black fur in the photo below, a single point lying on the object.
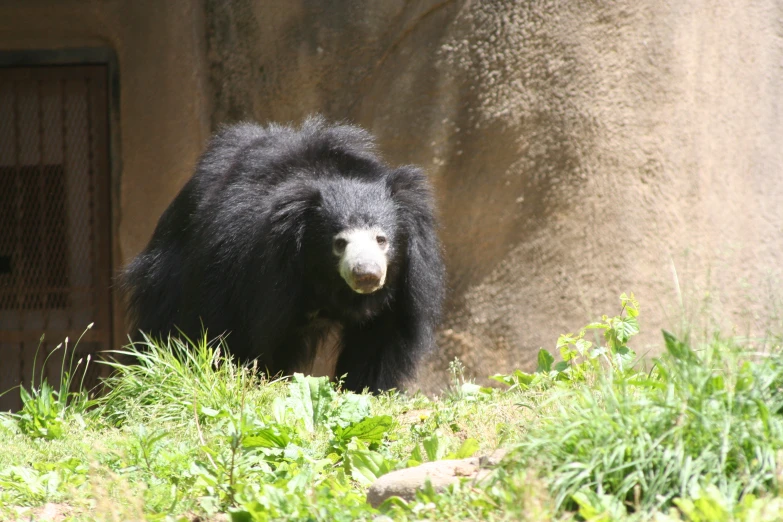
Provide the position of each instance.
(250, 248)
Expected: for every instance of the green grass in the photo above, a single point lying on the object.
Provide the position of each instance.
(707, 418)
(185, 433)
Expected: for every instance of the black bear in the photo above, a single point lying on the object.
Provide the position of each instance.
(305, 249)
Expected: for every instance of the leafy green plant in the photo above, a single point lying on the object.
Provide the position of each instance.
(506, 495)
(304, 498)
(355, 434)
(708, 504)
(42, 412)
(436, 447)
(276, 446)
(221, 470)
(598, 507)
(44, 407)
(580, 357)
(42, 481)
(462, 388)
(365, 465)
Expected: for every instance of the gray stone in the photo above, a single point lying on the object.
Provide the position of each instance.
(405, 482)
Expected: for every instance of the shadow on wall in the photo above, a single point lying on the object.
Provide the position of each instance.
(576, 148)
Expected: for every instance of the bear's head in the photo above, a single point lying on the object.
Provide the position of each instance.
(359, 219)
(348, 218)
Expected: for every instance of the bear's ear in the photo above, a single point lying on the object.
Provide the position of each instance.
(410, 189)
(407, 179)
(291, 204)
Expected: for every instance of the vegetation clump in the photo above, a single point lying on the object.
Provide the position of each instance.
(693, 434)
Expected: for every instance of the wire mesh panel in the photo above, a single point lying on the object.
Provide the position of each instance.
(54, 220)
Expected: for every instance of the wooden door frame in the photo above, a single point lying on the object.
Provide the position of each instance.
(106, 57)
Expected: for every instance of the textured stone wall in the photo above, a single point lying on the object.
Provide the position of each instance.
(579, 149)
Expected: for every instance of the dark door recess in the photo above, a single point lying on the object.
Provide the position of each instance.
(55, 245)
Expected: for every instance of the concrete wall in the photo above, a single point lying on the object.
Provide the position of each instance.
(579, 149)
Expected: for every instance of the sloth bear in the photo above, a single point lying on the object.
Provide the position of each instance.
(304, 249)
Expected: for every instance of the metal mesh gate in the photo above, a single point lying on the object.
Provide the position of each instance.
(55, 264)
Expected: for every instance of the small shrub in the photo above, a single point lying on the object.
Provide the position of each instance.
(702, 418)
(580, 357)
(45, 407)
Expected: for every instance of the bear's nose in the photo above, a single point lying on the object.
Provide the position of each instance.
(367, 277)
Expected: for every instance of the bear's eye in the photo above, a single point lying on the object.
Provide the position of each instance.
(339, 245)
(381, 239)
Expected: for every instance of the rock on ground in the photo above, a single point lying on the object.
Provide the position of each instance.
(405, 482)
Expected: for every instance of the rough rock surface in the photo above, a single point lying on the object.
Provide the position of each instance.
(405, 482)
(51, 512)
(579, 149)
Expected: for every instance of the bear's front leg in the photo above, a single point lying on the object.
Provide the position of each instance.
(380, 355)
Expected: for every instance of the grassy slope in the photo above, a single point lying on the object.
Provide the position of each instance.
(697, 438)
